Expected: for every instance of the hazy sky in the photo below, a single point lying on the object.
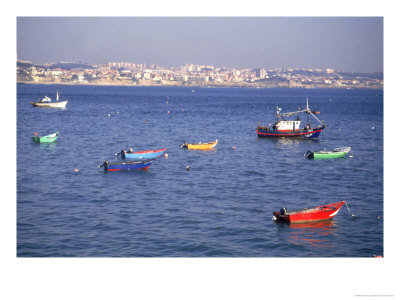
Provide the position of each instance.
(341, 43)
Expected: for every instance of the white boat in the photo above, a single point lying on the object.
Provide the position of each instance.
(46, 102)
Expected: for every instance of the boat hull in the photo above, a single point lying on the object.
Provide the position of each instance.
(201, 146)
(61, 104)
(323, 154)
(149, 154)
(127, 166)
(328, 155)
(264, 132)
(318, 213)
(51, 138)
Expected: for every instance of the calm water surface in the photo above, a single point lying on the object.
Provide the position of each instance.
(223, 206)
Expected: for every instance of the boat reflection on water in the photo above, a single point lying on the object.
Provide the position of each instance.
(315, 234)
(289, 142)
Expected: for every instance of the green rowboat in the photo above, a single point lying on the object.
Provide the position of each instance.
(323, 154)
(45, 139)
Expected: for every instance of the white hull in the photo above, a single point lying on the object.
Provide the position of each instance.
(61, 104)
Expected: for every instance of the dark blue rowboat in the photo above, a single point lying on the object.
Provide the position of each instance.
(128, 165)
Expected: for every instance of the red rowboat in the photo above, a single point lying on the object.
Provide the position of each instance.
(318, 213)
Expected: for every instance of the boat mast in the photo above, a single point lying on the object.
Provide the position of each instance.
(310, 112)
(278, 110)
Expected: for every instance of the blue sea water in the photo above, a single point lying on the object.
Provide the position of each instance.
(223, 206)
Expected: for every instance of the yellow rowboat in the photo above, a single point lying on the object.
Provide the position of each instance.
(200, 146)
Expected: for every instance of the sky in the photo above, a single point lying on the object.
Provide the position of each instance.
(352, 44)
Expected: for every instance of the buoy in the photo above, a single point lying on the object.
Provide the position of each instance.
(36, 133)
(166, 155)
(76, 170)
(372, 127)
(187, 168)
(168, 112)
(378, 217)
(233, 147)
(109, 115)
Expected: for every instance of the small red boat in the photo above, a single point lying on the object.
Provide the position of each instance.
(318, 213)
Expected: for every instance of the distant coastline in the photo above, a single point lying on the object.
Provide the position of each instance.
(256, 86)
(129, 74)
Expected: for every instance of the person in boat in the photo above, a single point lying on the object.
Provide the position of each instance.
(283, 211)
(130, 150)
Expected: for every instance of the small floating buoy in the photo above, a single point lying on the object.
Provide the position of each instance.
(233, 147)
(372, 127)
(76, 170)
(378, 217)
(168, 112)
(36, 133)
(187, 168)
(109, 115)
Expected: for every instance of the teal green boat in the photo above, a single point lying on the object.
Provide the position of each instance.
(323, 154)
(45, 139)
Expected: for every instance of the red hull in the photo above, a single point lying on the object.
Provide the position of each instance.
(318, 213)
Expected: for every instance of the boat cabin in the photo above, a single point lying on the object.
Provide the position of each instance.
(45, 99)
(287, 125)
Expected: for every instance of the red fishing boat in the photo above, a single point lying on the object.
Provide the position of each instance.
(318, 213)
(285, 128)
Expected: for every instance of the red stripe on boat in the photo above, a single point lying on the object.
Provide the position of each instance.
(303, 133)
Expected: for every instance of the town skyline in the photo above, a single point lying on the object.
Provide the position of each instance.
(136, 74)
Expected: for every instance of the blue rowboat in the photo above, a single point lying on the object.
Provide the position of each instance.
(129, 165)
(148, 154)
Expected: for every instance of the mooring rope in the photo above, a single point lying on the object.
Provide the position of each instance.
(353, 215)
